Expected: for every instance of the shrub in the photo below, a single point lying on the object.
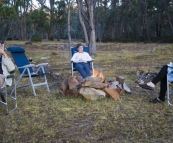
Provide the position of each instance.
(36, 40)
(28, 43)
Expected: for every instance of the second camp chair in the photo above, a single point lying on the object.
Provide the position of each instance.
(85, 49)
(170, 86)
(9, 94)
(26, 69)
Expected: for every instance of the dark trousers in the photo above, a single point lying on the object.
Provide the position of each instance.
(83, 69)
(162, 77)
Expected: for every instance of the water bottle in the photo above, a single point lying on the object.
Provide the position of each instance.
(30, 59)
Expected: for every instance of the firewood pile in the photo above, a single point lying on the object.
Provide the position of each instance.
(95, 87)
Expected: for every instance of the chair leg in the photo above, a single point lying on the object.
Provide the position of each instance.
(2, 97)
(169, 93)
(72, 70)
(31, 82)
(12, 96)
(47, 86)
(92, 68)
(34, 85)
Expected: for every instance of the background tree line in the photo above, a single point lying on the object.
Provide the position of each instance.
(91, 20)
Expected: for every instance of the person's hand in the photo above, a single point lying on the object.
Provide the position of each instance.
(2, 52)
(81, 60)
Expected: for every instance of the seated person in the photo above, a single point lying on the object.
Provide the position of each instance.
(5, 65)
(81, 58)
(162, 77)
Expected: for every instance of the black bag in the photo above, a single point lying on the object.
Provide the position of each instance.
(146, 77)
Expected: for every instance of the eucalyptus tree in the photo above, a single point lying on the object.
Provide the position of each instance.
(102, 11)
(140, 7)
(60, 20)
(86, 12)
(51, 10)
(80, 11)
(112, 17)
(7, 14)
(168, 7)
(148, 13)
(22, 8)
(68, 21)
(38, 24)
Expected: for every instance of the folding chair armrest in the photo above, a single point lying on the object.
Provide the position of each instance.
(41, 64)
(87, 61)
(28, 66)
(91, 61)
(10, 76)
(72, 64)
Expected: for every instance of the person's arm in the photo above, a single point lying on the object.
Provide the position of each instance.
(88, 57)
(75, 58)
(2, 52)
(7, 61)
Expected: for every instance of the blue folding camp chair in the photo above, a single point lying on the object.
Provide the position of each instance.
(170, 89)
(12, 94)
(85, 49)
(26, 69)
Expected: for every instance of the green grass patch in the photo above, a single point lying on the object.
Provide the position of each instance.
(59, 118)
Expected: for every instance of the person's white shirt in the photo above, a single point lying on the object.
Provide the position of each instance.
(84, 56)
(5, 62)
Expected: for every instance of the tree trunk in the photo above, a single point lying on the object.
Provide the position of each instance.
(145, 30)
(82, 22)
(69, 35)
(158, 29)
(113, 27)
(92, 42)
(24, 28)
(51, 33)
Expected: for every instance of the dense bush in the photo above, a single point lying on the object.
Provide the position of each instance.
(166, 39)
(162, 39)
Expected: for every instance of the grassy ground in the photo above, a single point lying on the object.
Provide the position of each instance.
(50, 118)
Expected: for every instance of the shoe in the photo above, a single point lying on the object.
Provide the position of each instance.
(156, 100)
(146, 86)
(2, 97)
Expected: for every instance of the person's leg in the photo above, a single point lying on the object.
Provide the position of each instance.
(80, 69)
(87, 69)
(2, 94)
(161, 75)
(163, 88)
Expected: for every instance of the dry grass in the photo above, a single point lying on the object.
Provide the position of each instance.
(66, 119)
